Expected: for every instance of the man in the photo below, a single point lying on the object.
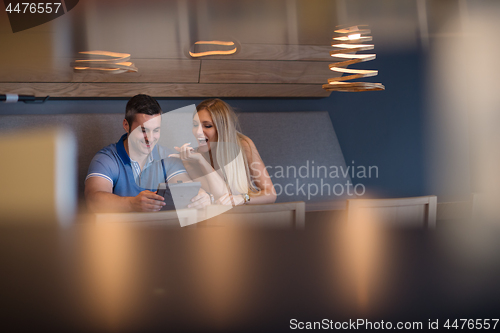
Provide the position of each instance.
(124, 176)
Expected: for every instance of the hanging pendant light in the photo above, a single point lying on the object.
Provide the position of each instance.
(103, 62)
(347, 43)
(202, 48)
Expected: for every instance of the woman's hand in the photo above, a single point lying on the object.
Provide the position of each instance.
(226, 200)
(187, 153)
(201, 200)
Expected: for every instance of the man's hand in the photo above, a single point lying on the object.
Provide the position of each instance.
(147, 201)
(201, 200)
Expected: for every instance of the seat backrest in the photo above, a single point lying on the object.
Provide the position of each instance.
(171, 218)
(305, 165)
(406, 212)
(277, 215)
(281, 215)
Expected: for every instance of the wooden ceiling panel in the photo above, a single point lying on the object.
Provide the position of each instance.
(240, 71)
(59, 70)
(106, 90)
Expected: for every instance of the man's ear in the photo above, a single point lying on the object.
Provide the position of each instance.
(126, 126)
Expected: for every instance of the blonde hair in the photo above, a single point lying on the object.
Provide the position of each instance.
(230, 155)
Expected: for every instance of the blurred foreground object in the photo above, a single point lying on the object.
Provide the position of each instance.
(464, 110)
(404, 212)
(38, 177)
(347, 43)
(123, 278)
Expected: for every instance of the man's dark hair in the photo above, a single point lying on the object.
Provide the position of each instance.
(144, 104)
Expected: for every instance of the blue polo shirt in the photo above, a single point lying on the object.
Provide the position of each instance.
(113, 164)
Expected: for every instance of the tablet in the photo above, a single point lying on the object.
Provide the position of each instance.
(162, 189)
(182, 193)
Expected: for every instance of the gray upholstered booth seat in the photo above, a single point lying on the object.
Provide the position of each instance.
(302, 153)
(300, 149)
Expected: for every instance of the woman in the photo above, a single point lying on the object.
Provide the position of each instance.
(226, 162)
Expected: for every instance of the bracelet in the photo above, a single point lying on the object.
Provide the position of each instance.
(212, 199)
